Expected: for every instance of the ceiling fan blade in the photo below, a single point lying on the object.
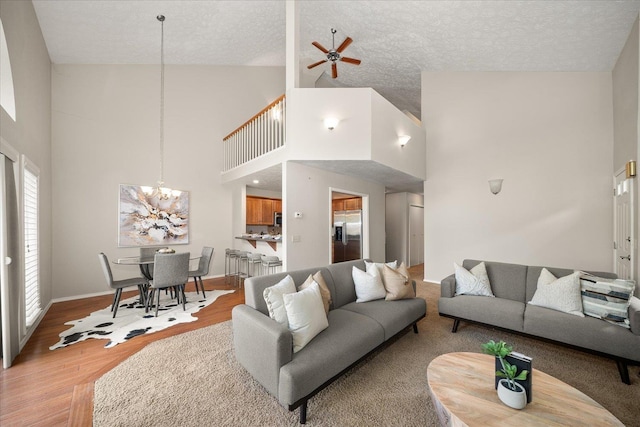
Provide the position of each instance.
(315, 64)
(344, 44)
(350, 60)
(319, 46)
(334, 70)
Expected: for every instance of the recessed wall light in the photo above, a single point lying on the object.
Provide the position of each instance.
(403, 139)
(255, 181)
(331, 122)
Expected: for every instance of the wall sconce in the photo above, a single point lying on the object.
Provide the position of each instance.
(631, 168)
(495, 185)
(403, 139)
(331, 122)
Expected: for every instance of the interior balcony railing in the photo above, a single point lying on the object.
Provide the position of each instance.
(259, 135)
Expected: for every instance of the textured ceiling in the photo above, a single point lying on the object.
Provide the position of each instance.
(395, 40)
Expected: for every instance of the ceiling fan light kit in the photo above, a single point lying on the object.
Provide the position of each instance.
(334, 55)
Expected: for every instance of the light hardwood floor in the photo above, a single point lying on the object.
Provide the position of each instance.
(55, 388)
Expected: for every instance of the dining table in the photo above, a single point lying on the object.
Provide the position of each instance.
(143, 262)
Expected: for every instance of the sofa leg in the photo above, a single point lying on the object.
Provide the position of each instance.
(415, 328)
(303, 413)
(456, 323)
(624, 371)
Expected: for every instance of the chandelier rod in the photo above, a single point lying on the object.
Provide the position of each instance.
(161, 19)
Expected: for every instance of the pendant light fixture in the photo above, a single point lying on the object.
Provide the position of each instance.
(160, 191)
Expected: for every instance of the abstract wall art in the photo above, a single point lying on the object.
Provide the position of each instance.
(149, 216)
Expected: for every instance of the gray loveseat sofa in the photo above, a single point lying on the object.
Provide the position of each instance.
(514, 285)
(264, 347)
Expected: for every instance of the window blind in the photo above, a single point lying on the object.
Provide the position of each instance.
(31, 258)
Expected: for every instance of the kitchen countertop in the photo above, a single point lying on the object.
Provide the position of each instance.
(272, 241)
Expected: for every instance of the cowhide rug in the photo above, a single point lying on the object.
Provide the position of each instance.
(131, 320)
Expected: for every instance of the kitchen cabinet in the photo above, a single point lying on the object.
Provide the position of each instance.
(352, 204)
(260, 210)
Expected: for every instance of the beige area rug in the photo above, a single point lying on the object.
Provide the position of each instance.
(193, 379)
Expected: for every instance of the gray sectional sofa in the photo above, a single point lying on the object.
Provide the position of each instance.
(264, 347)
(513, 286)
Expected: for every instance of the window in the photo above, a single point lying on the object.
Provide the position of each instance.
(7, 100)
(30, 188)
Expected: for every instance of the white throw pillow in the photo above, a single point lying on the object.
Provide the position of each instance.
(273, 297)
(306, 315)
(379, 265)
(474, 282)
(369, 287)
(324, 289)
(561, 294)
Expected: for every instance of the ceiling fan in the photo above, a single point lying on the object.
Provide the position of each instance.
(333, 55)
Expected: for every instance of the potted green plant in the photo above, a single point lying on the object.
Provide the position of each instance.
(510, 392)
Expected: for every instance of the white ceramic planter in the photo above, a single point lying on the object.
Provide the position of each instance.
(513, 399)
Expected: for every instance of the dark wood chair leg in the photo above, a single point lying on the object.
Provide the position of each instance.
(623, 369)
(303, 413)
(456, 323)
(415, 328)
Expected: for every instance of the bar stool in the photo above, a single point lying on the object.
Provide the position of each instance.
(254, 263)
(230, 264)
(270, 264)
(242, 266)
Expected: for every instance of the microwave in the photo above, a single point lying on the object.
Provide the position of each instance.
(277, 219)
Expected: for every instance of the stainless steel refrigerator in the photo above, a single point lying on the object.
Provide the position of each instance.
(347, 235)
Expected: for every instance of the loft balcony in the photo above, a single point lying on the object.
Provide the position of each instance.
(364, 143)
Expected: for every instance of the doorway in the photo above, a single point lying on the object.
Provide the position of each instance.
(624, 231)
(347, 221)
(416, 235)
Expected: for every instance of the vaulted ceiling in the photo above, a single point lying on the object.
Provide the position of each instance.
(395, 40)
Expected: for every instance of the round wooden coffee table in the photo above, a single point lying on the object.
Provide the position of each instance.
(463, 392)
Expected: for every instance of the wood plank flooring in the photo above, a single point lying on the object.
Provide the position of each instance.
(55, 388)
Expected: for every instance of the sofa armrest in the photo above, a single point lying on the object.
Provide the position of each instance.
(448, 286)
(634, 315)
(261, 344)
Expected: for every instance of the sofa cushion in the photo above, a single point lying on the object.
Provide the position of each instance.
(345, 291)
(586, 332)
(393, 316)
(369, 286)
(607, 299)
(503, 313)
(273, 296)
(306, 315)
(472, 282)
(561, 294)
(507, 280)
(352, 333)
(255, 286)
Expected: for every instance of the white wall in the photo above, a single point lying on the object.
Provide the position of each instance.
(550, 136)
(626, 87)
(30, 134)
(106, 132)
(308, 190)
(625, 101)
(368, 129)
